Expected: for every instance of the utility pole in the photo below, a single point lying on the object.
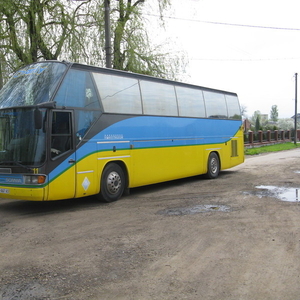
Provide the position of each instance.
(107, 34)
(295, 138)
(1, 76)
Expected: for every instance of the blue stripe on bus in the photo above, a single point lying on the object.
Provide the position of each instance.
(182, 130)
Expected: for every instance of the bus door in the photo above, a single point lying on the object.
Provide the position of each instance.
(62, 181)
(87, 176)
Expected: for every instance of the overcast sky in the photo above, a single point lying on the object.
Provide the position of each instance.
(249, 47)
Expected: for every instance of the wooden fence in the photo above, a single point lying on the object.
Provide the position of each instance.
(259, 138)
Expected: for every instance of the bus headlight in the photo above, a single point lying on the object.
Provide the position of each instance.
(34, 179)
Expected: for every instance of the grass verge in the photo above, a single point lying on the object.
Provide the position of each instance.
(271, 148)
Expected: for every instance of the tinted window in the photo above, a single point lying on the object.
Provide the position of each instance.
(61, 138)
(233, 107)
(158, 99)
(77, 90)
(84, 120)
(190, 102)
(20, 141)
(119, 94)
(215, 105)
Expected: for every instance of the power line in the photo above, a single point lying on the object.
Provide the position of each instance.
(244, 59)
(228, 24)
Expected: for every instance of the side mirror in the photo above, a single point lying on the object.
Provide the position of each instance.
(38, 118)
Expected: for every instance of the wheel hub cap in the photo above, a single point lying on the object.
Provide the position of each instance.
(214, 165)
(113, 182)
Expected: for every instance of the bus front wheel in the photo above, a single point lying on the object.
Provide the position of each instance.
(112, 183)
(213, 166)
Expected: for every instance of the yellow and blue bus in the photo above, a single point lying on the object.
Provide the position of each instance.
(69, 130)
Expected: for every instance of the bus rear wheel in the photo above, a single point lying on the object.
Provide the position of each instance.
(112, 183)
(213, 166)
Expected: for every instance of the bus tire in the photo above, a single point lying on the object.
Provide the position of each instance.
(213, 166)
(112, 183)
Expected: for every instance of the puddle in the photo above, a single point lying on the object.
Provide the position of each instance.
(281, 193)
(298, 172)
(194, 210)
(26, 291)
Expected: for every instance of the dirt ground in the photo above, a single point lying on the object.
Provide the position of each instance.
(187, 239)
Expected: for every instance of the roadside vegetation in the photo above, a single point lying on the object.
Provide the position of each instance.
(271, 148)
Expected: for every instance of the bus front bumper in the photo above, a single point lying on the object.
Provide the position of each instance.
(22, 193)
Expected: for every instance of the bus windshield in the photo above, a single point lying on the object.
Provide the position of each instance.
(20, 142)
(32, 85)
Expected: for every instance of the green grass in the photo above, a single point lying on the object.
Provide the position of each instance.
(271, 148)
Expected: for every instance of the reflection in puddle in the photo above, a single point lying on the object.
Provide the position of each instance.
(194, 210)
(282, 193)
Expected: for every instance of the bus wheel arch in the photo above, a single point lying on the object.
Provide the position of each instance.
(113, 181)
(213, 165)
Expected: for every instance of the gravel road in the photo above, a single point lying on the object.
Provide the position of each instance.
(234, 237)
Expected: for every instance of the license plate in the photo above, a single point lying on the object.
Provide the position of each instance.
(4, 191)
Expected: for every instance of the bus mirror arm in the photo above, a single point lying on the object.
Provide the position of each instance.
(50, 105)
(38, 117)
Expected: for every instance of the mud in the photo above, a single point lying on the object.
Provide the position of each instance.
(202, 208)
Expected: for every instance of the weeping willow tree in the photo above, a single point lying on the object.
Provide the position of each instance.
(132, 49)
(33, 30)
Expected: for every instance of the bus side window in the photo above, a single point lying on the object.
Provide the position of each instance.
(77, 90)
(61, 133)
(215, 104)
(233, 106)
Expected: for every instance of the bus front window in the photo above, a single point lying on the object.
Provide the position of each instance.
(20, 141)
(32, 85)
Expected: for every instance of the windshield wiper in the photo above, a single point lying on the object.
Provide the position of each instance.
(16, 163)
